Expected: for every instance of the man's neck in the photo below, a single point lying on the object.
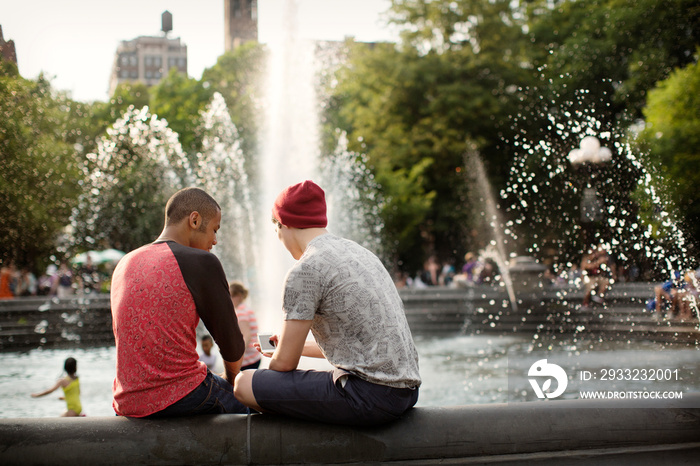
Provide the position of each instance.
(171, 233)
(306, 235)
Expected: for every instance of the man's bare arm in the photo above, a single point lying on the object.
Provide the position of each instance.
(291, 345)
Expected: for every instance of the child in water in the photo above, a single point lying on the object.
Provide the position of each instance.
(71, 389)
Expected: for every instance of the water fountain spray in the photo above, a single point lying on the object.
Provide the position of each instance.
(497, 247)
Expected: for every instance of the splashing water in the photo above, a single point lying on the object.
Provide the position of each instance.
(542, 190)
(137, 149)
(352, 197)
(221, 172)
(543, 198)
(289, 153)
(497, 247)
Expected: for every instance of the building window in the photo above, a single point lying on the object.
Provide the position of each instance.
(237, 8)
(253, 9)
(133, 60)
(147, 61)
(183, 62)
(124, 73)
(157, 61)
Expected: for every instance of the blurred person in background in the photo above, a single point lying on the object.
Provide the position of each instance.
(247, 323)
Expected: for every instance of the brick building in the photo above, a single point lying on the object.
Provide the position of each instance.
(7, 49)
(240, 22)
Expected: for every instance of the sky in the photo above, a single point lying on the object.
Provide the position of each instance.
(74, 41)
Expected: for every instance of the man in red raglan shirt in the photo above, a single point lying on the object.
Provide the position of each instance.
(159, 292)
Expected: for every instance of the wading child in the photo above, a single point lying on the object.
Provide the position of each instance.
(71, 389)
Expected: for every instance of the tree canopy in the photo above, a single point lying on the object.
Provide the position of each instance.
(672, 134)
(40, 178)
(517, 84)
(510, 80)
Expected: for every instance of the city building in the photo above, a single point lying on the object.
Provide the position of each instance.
(148, 58)
(241, 22)
(7, 49)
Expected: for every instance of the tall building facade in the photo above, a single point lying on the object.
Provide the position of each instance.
(148, 59)
(7, 49)
(241, 22)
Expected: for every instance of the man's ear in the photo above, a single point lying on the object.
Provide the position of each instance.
(195, 220)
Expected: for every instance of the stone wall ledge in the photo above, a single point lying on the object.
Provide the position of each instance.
(552, 432)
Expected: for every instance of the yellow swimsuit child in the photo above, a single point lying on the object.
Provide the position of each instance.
(71, 393)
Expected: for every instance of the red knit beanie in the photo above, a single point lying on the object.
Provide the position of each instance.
(302, 205)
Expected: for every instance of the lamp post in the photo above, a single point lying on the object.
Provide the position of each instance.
(590, 156)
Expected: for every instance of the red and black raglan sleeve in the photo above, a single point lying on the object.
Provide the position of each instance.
(206, 280)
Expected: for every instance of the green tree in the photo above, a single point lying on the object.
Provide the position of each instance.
(40, 177)
(615, 50)
(672, 137)
(414, 109)
(180, 100)
(93, 118)
(598, 59)
(127, 94)
(8, 68)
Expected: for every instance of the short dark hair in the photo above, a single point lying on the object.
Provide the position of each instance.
(188, 200)
(207, 338)
(70, 366)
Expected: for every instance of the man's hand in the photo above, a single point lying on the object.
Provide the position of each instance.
(274, 339)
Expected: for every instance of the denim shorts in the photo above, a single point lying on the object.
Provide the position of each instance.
(321, 396)
(213, 396)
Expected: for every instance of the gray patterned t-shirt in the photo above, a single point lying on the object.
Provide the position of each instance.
(358, 316)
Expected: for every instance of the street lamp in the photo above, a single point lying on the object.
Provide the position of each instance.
(590, 151)
(590, 156)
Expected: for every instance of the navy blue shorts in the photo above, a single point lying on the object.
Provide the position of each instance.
(315, 396)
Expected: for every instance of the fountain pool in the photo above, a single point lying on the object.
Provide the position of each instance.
(456, 370)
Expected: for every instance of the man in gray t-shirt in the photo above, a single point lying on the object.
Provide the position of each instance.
(342, 293)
